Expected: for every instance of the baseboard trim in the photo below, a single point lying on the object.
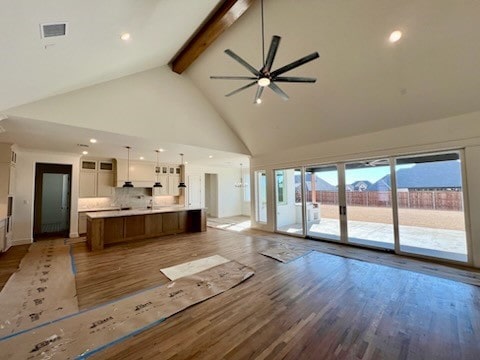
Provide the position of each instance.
(21, 242)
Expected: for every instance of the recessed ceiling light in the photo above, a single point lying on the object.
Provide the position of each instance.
(186, 162)
(161, 150)
(93, 141)
(125, 36)
(84, 152)
(210, 156)
(395, 36)
(142, 158)
(259, 101)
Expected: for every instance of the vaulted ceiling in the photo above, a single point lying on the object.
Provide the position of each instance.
(364, 82)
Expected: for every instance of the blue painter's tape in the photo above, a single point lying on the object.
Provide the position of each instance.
(120, 339)
(72, 260)
(78, 313)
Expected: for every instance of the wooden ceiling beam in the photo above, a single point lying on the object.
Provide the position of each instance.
(217, 22)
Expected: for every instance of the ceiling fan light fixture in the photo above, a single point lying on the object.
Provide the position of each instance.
(265, 77)
(264, 81)
(395, 36)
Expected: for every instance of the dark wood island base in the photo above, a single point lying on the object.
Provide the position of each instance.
(117, 226)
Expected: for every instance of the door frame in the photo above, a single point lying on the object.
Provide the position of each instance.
(395, 223)
(40, 169)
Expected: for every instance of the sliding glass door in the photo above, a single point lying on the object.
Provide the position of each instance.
(289, 201)
(407, 204)
(369, 213)
(430, 206)
(322, 202)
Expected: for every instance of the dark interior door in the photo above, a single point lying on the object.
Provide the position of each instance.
(52, 200)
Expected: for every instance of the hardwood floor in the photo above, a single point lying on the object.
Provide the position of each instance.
(320, 306)
(9, 262)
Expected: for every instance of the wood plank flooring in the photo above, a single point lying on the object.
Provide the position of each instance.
(9, 262)
(320, 306)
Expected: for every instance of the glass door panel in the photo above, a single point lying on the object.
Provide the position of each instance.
(321, 198)
(261, 196)
(288, 201)
(369, 211)
(430, 206)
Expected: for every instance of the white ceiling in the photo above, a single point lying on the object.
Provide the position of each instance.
(364, 83)
(46, 136)
(33, 68)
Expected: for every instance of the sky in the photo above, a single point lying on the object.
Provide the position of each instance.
(371, 174)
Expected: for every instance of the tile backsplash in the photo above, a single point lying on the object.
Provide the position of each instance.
(127, 197)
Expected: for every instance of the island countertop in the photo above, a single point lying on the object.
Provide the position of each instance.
(109, 227)
(133, 212)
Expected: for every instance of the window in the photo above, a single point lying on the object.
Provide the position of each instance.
(281, 190)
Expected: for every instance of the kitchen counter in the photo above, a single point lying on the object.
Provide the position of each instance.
(111, 208)
(110, 227)
(132, 212)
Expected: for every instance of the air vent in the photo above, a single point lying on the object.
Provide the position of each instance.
(53, 29)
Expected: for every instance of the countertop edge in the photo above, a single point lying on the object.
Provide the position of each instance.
(133, 212)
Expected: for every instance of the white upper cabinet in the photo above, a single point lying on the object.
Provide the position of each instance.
(97, 178)
(142, 174)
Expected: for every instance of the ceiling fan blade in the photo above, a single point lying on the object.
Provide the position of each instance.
(278, 91)
(258, 95)
(234, 77)
(295, 64)
(243, 62)
(242, 88)
(294, 79)
(271, 53)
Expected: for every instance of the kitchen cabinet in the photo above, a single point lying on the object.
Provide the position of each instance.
(97, 178)
(113, 227)
(82, 223)
(173, 181)
(142, 174)
(88, 184)
(164, 190)
(105, 184)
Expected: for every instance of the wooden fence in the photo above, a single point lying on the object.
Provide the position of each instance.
(432, 200)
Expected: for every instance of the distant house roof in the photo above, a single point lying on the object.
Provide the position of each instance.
(431, 175)
(320, 184)
(359, 185)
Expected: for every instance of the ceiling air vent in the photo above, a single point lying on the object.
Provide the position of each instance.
(53, 29)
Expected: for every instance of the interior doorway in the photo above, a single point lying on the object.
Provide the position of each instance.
(211, 194)
(52, 200)
(194, 190)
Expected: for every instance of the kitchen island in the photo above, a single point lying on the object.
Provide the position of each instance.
(110, 227)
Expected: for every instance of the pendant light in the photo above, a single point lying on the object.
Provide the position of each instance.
(241, 184)
(128, 183)
(157, 171)
(182, 184)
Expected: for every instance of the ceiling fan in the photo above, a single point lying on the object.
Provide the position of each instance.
(265, 76)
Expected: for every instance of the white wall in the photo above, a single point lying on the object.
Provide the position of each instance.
(155, 104)
(230, 198)
(25, 192)
(460, 132)
(287, 213)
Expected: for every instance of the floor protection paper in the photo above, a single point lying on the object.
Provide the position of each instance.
(193, 267)
(285, 253)
(86, 333)
(43, 288)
